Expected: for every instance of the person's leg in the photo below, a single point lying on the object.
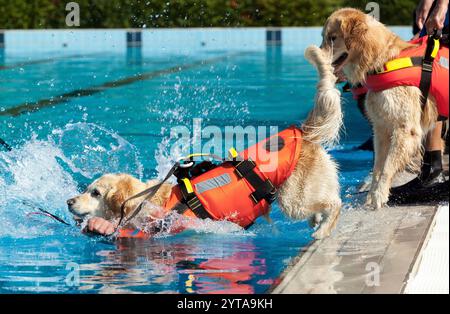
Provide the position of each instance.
(431, 172)
(432, 159)
(434, 140)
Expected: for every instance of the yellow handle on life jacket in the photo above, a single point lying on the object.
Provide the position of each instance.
(436, 48)
(406, 62)
(187, 183)
(233, 152)
(397, 64)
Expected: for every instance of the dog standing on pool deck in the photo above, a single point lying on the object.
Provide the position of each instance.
(311, 191)
(359, 45)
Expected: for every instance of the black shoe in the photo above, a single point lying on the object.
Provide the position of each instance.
(427, 186)
(431, 172)
(438, 192)
(418, 184)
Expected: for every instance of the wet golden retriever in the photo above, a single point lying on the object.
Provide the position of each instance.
(359, 44)
(311, 191)
(105, 196)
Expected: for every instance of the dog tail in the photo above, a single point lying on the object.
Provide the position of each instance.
(325, 120)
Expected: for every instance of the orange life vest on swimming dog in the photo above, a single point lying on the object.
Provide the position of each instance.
(241, 189)
(406, 70)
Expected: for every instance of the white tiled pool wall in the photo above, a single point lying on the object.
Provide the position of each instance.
(171, 40)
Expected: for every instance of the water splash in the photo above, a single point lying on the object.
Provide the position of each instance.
(212, 98)
(41, 172)
(32, 173)
(92, 150)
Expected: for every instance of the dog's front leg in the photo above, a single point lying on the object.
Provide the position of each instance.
(397, 157)
(382, 143)
(396, 120)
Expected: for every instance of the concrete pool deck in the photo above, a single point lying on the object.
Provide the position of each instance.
(374, 252)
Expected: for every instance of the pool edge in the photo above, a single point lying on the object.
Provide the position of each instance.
(353, 281)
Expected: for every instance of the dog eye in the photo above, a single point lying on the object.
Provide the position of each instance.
(332, 38)
(95, 193)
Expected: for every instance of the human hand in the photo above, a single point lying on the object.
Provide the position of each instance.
(100, 226)
(422, 11)
(436, 18)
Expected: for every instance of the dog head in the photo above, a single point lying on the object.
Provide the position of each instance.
(105, 196)
(354, 41)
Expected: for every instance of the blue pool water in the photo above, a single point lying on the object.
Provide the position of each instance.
(67, 141)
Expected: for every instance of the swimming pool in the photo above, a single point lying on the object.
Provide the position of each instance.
(74, 116)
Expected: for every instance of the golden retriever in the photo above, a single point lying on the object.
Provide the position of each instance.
(311, 191)
(359, 44)
(104, 197)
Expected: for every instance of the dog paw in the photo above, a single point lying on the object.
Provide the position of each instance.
(321, 233)
(368, 202)
(315, 220)
(377, 200)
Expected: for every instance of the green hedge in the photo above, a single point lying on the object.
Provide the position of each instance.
(25, 14)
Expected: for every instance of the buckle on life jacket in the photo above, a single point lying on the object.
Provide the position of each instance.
(265, 191)
(427, 66)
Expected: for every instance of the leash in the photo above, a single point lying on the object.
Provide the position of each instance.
(359, 193)
(150, 192)
(183, 163)
(44, 213)
(5, 145)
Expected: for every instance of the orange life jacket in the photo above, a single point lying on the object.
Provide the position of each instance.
(238, 191)
(406, 70)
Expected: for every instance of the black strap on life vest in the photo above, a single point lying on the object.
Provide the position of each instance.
(190, 199)
(192, 202)
(427, 70)
(148, 193)
(264, 189)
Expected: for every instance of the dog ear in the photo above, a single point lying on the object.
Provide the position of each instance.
(354, 29)
(119, 194)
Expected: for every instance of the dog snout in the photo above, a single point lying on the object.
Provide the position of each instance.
(71, 202)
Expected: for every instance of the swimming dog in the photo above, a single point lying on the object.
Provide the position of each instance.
(311, 190)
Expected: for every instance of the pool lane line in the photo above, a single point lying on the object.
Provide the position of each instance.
(43, 103)
(42, 61)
